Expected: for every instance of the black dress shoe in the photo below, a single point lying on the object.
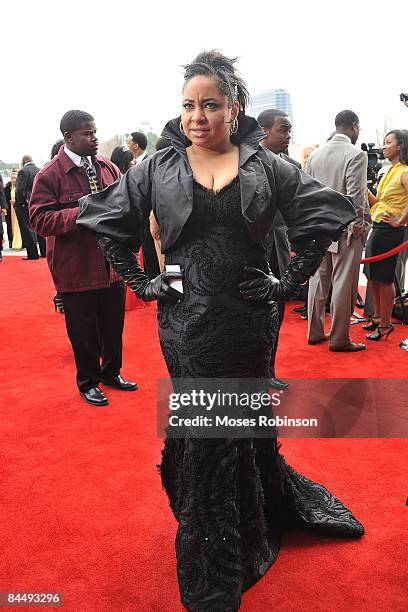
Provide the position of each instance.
(120, 383)
(276, 383)
(29, 258)
(95, 396)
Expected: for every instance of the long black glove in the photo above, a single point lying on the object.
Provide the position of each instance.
(128, 267)
(258, 286)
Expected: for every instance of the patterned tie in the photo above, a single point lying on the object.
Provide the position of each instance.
(91, 174)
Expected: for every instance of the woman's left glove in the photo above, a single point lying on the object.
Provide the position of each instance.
(258, 286)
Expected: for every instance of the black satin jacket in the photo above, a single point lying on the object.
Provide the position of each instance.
(164, 183)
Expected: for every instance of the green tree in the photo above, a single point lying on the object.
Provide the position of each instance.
(106, 148)
(5, 166)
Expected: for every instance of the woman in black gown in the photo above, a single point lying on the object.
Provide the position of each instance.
(214, 192)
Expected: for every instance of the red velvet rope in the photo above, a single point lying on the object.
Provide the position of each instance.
(390, 253)
(381, 256)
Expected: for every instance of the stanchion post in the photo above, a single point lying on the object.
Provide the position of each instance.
(401, 300)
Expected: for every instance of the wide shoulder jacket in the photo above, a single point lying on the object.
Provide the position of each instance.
(164, 183)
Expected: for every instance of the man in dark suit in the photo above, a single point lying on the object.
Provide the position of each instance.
(3, 212)
(24, 186)
(93, 295)
(277, 127)
(137, 143)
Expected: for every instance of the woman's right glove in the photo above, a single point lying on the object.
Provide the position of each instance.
(258, 286)
(127, 265)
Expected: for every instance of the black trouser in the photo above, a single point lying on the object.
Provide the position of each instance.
(27, 236)
(368, 304)
(9, 227)
(42, 245)
(94, 321)
(273, 262)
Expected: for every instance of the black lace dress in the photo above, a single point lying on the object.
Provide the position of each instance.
(231, 497)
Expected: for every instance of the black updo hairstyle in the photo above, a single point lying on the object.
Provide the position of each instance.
(122, 158)
(215, 64)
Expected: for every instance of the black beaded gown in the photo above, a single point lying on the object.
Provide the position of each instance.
(231, 497)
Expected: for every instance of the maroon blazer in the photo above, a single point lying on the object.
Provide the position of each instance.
(74, 257)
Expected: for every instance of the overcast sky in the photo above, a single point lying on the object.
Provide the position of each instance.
(120, 61)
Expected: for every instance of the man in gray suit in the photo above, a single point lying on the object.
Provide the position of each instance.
(343, 167)
(277, 127)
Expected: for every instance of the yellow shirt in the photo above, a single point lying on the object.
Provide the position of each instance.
(392, 196)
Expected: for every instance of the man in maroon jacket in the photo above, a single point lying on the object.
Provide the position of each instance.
(92, 294)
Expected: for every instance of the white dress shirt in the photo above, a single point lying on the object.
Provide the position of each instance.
(77, 159)
(141, 158)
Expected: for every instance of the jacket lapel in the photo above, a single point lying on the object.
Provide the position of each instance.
(247, 179)
(247, 173)
(186, 179)
(173, 202)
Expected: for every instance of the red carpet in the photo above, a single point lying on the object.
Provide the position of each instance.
(82, 508)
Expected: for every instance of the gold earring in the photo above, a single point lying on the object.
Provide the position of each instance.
(181, 128)
(234, 126)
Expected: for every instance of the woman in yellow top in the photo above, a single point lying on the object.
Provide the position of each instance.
(389, 212)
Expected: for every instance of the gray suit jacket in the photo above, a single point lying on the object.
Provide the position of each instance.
(343, 167)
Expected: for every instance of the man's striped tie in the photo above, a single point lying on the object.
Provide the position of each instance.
(91, 174)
